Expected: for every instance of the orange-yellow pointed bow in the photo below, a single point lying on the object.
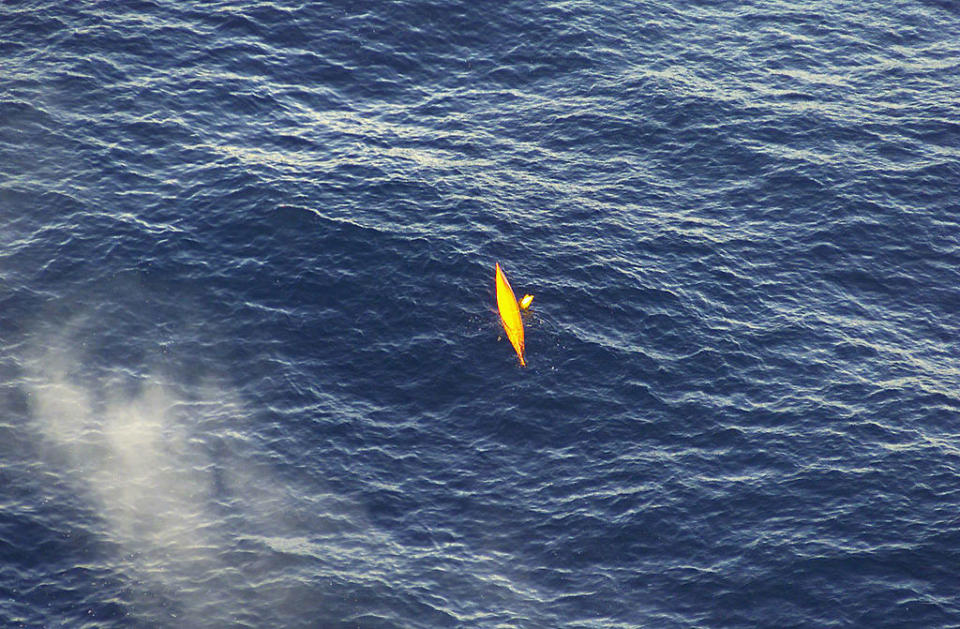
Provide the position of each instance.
(509, 313)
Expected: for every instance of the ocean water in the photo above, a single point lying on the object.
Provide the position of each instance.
(251, 372)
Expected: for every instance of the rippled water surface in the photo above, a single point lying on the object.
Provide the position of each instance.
(251, 373)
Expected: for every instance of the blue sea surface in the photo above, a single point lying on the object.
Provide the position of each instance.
(251, 369)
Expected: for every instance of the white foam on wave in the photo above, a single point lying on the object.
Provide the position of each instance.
(178, 488)
(131, 455)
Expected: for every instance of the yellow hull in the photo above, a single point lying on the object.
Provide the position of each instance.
(509, 313)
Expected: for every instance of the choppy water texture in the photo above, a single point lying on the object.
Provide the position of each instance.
(250, 364)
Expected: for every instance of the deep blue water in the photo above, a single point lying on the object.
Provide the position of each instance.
(251, 370)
